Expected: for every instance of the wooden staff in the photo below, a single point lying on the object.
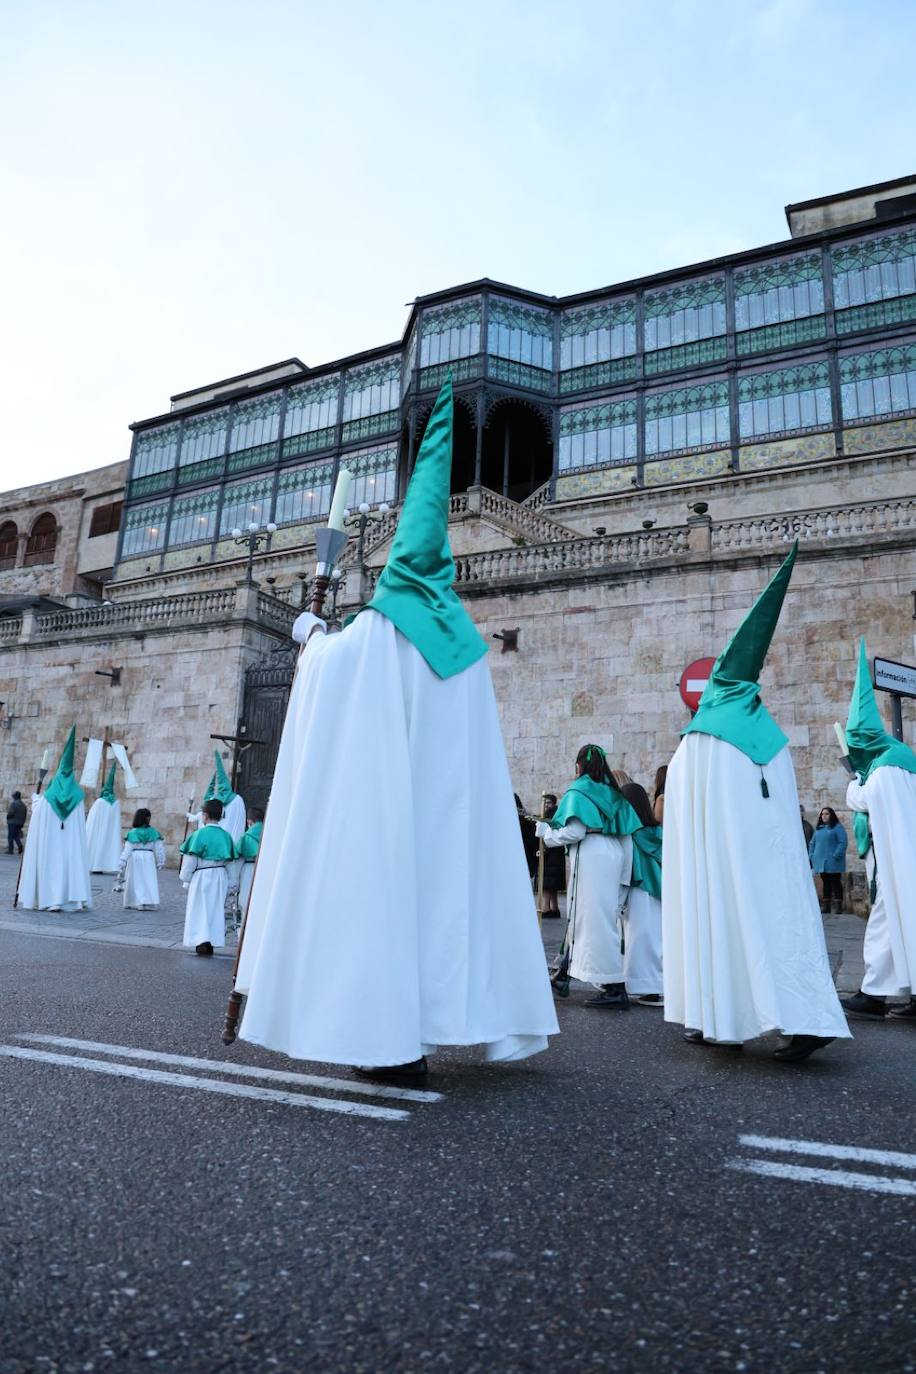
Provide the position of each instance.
(42, 774)
(187, 819)
(319, 592)
(541, 857)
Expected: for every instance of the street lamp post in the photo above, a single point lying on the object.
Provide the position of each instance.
(360, 520)
(253, 538)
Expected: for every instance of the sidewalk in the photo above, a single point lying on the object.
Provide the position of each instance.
(163, 929)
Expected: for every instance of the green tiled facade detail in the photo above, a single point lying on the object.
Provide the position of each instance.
(662, 404)
(881, 435)
(152, 482)
(593, 317)
(805, 448)
(687, 296)
(598, 417)
(519, 374)
(194, 518)
(201, 472)
(688, 468)
(874, 251)
(138, 567)
(156, 450)
(875, 316)
(308, 443)
(256, 423)
(373, 389)
(514, 315)
(461, 370)
(761, 385)
(770, 337)
(883, 362)
(685, 355)
(370, 425)
(596, 482)
(187, 557)
(252, 458)
(769, 276)
(598, 374)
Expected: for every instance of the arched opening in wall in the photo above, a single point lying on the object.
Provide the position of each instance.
(9, 539)
(517, 451)
(42, 541)
(464, 444)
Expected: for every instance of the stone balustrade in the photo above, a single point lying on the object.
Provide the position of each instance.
(875, 519)
(276, 613)
(10, 629)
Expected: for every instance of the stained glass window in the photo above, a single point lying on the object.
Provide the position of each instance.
(520, 341)
(372, 395)
(598, 435)
(311, 416)
(781, 303)
(410, 358)
(375, 474)
(256, 423)
(685, 325)
(598, 344)
(144, 529)
(304, 494)
(155, 450)
(450, 331)
(194, 518)
(204, 437)
(874, 281)
(794, 398)
(691, 417)
(879, 383)
(245, 503)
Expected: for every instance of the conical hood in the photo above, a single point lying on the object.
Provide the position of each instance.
(869, 744)
(219, 787)
(107, 792)
(730, 707)
(415, 589)
(63, 792)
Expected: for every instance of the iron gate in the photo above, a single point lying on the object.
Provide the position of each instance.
(267, 689)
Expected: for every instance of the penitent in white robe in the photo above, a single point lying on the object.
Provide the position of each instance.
(234, 819)
(392, 910)
(600, 867)
(889, 798)
(55, 865)
(103, 836)
(141, 877)
(744, 949)
(642, 933)
(205, 914)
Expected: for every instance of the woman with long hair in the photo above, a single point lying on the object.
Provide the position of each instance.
(642, 915)
(658, 798)
(595, 821)
(827, 852)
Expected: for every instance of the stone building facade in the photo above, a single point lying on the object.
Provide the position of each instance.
(629, 468)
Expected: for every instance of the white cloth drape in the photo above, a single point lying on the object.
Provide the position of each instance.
(743, 940)
(889, 798)
(120, 753)
(91, 764)
(55, 865)
(103, 836)
(414, 924)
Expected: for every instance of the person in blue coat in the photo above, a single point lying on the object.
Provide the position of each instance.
(827, 852)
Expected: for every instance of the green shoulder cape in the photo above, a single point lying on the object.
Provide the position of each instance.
(210, 842)
(647, 860)
(144, 834)
(248, 846)
(599, 807)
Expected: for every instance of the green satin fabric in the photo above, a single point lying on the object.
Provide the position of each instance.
(600, 808)
(144, 834)
(869, 744)
(107, 792)
(862, 831)
(63, 792)
(731, 708)
(415, 589)
(250, 843)
(647, 860)
(220, 787)
(210, 842)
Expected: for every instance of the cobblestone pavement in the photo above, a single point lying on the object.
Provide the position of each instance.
(163, 929)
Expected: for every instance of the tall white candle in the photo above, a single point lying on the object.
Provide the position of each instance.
(841, 738)
(45, 759)
(339, 503)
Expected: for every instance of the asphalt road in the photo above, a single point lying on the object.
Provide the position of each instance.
(579, 1211)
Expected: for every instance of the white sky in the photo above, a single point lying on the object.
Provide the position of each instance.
(193, 189)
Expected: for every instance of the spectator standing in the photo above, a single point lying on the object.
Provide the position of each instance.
(658, 798)
(554, 866)
(529, 840)
(827, 852)
(807, 827)
(15, 820)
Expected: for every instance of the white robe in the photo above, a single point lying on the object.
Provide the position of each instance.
(55, 865)
(234, 818)
(743, 940)
(392, 910)
(642, 938)
(205, 914)
(600, 868)
(889, 798)
(103, 836)
(141, 863)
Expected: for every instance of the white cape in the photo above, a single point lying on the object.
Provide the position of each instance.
(103, 836)
(392, 910)
(889, 797)
(55, 865)
(743, 940)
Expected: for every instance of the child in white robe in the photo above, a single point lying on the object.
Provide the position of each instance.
(141, 858)
(208, 852)
(246, 856)
(642, 915)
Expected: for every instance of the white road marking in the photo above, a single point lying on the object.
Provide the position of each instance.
(697, 684)
(207, 1085)
(892, 1158)
(835, 1178)
(306, 1080)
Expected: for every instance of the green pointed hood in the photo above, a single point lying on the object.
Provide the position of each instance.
(107, 792)
(869, 744)
(63, 792)
(219, 787)
(730, 707)
(415, 589)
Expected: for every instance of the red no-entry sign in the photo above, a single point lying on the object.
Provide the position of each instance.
(693, 681)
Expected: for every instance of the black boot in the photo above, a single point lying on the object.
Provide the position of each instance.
(798, 1047)
(412, 1075)
(613, 997)
(863, 1005)
(907, 1012)
(204, 950)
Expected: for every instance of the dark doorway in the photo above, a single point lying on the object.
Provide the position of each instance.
(517, 452)
(267, 688)
(464, 445)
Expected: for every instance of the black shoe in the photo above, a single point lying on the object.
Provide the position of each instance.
(412, 1075)
(864, 1006)
(613, 997)
(799, 1047)
(650, 999)
(907, 1012)
(695, 1037)
(204, 950)
(550, 915)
